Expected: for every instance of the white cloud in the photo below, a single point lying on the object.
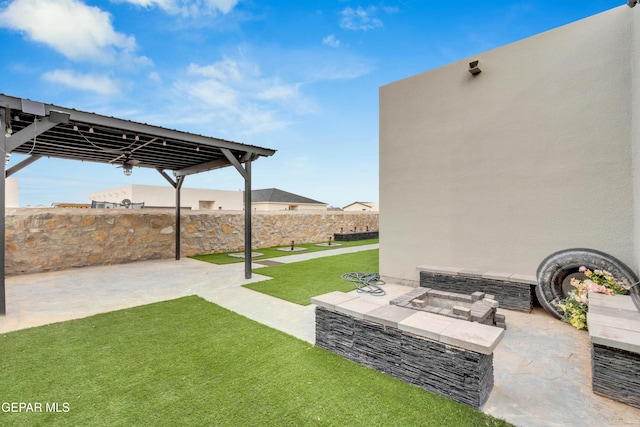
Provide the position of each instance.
(225, 70)
(359, 19)
(331, 40)
(102, 85)
(236, 93)
(280, 92)
(187, 7)
(154, 76)
(72, 28)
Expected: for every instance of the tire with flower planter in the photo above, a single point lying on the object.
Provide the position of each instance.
(555, 272)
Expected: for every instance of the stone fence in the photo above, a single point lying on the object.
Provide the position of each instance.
(39, 240)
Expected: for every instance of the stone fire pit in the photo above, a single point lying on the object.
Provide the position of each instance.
(477, 307)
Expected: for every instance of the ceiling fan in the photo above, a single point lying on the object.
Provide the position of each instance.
(128, 163)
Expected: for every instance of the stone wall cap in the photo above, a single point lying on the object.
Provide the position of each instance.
(619, 302)
(472, 336)
(439, 270)
(425, 324)
(356, 307)
(615, 338)
(471, 273)
(523, 278)
(614, 321)
(459, 333)
(389, 315)
(624, 323)
(331, 299)
(497, 275)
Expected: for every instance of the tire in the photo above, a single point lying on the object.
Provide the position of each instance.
(555, 271)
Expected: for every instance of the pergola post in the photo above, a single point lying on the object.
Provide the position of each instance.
(247, 220)
(179, 182)
(3, 138)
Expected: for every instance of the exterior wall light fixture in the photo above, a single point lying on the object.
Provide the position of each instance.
(474, 68)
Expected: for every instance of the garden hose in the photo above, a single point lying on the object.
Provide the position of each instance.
(369, 283)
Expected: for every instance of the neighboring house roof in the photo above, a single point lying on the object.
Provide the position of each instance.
(367, 204)
(278, 196)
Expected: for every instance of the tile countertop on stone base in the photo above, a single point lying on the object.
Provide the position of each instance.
(459, 333)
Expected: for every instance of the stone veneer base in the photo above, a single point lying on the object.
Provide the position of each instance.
(511, 295)
(462, 375)
(616, 374)
(614, 331)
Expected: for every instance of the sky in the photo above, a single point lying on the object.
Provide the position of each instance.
(299, 76)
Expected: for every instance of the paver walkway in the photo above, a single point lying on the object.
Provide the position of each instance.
(541, 367)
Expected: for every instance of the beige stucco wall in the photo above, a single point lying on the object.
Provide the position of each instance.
(531, 156)
(635, 130)
(40, 240)
(159, 196)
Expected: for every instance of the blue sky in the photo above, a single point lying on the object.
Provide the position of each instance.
(301, 77)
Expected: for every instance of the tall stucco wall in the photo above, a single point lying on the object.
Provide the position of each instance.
(533, 155)
(39, 240)
(635, 130)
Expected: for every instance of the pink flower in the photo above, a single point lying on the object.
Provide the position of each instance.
(594, 287)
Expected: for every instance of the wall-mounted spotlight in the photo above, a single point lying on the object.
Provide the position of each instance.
(474, 67)
(632, 3)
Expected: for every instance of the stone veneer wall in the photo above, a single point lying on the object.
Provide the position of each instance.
(39, 240)
(616, 374)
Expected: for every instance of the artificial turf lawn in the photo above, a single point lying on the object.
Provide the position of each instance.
(190, 362)
(224, 258)
(299, 281)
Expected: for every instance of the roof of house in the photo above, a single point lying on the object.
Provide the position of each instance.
(278, 196)
(367, 204)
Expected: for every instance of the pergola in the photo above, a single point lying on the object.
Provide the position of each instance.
(40, 130)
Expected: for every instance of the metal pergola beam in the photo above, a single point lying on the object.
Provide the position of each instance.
(135, 127)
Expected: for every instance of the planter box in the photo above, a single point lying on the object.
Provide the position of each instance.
(352, 237)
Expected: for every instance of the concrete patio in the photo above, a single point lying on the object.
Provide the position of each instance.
(542, 366)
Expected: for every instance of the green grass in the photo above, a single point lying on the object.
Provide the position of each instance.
(189, 362)
(224, 258)
(299, 281)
